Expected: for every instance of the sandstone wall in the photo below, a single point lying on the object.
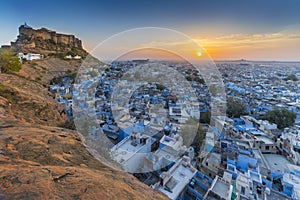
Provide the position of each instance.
(46, 34)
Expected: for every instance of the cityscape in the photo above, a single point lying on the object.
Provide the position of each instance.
(250, 158)
(156, 100)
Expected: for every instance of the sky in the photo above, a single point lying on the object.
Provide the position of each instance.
(231, 29)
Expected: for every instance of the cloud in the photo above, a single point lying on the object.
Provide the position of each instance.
(247, 40)
(283, 45)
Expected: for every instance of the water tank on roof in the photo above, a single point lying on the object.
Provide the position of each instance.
(191, 153)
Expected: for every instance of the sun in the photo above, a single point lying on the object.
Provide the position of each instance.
(199, 53)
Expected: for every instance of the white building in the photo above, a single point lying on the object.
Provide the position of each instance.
(220, 189)
(131, 151)
(264, 143)
(171, 149)
(175, 142)
(30, 56)
(173, 182)
(289, 143)
(266, 126)
(246, 183)
(77, 57)
(68, 57)
(181, 112)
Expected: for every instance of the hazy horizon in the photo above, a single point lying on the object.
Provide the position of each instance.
(232, 30)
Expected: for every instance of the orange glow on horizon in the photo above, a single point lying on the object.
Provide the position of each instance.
(280, 46)
(273, 46)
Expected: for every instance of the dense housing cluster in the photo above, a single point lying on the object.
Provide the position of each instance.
(248, 158)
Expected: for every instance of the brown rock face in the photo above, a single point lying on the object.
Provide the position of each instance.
(42, 162)
(44, 41)
(30, 101)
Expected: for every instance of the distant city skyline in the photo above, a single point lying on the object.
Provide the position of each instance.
(228, 30)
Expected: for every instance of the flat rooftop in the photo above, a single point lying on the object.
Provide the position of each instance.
(168, 153)
(265, 139)
(168, 141)
(125, 149)
(277, 196)
(276, 162)
(214, 158)
(221, 188)
(181, 176)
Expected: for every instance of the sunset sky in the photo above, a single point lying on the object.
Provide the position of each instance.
(231, 29)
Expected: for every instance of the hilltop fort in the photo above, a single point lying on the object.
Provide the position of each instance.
(46, 41)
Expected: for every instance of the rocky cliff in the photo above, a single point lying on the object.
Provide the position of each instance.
(46, 41)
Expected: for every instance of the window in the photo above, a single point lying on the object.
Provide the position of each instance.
(243, 190)
(230, 168)
(267, 147)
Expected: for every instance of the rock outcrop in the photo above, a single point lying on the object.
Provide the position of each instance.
(46, 41)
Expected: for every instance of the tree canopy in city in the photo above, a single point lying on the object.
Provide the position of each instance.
(235, 107)
(291, 77)
(283, 118)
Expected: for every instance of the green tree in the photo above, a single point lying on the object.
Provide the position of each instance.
(160, 87)
(235, 107)
(71, 74)
(188, 78)
(283, 118)
(199, 80)
(205, 117)
(56, 80)
(9, 62)
(292, 77)
(199, 139)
